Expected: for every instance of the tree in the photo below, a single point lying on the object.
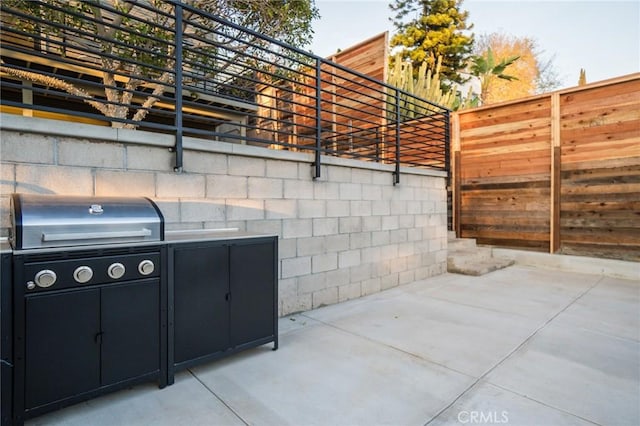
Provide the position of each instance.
(134, 43)
(438, 31)
(582, 80)
(531, 73)
(488, 70)
(425, 86)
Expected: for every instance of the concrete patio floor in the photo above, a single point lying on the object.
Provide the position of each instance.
(520, 346)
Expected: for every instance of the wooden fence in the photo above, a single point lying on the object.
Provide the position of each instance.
(349, 103)
(559, 172)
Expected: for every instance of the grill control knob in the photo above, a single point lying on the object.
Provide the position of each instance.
(116, 270)
(45, 278)
(146, 267)
(82, 274)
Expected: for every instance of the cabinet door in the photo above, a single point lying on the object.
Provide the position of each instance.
(252, 276)
(62, 351)
(130, 317)
(201, 309)
(6, 339)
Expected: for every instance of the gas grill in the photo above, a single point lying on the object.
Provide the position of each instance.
(45, 221)
(89, 299)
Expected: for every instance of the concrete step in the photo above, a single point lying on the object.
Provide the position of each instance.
(461, 244)
(464, 257)
(472, 255)
(480, 268)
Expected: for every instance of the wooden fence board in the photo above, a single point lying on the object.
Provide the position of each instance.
(504, 114)
(513, 179)
(620, 93)
(506, 128)
(595, 164)
(624, 174)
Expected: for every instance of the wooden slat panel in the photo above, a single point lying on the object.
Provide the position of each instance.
(600, 206)
(505, 173)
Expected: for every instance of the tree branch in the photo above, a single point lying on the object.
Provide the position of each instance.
(97, 13)
(56, 83)
(117, 20)
(152, 99)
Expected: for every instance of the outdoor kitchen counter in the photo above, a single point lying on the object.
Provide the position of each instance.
(195, 235)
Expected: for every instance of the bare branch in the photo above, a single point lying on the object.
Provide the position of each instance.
(117, 20)
(129, 87)
(152, 99)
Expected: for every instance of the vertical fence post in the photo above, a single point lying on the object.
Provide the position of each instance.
(396, 174)
(554, 231)
(456, 194)
(178, 85)
(316, 164)
(447, 167)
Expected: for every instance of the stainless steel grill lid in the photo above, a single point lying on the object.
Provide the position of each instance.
(44, 221)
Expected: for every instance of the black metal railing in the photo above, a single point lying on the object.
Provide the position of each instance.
(175, 69)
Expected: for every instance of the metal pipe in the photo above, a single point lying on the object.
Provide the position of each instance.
(178, 85)
(316, 172)
(396, 174)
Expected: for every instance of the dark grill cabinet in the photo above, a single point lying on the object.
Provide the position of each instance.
(73, 342)
(224, 295)
(100, 336)
(6, 336)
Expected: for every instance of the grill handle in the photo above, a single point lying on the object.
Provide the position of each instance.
(71, 236)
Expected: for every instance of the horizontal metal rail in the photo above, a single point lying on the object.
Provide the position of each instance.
(176, 69)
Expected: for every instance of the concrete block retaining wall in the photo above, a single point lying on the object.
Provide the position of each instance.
(347, 234)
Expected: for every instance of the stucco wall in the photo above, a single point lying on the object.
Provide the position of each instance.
(347, 234)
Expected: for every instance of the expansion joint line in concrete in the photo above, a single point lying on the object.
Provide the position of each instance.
(222, 401)
(517, 348)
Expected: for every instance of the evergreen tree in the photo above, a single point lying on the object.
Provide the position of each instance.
(428, 29)
(583, 77)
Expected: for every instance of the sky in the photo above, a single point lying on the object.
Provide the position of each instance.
(603, 36)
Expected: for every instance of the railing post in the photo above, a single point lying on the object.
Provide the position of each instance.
(396, 174)
(178, 85)
(316, 164)
(377, 144)
(447, 144)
